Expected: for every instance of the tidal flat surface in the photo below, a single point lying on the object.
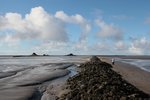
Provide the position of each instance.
(24, 77)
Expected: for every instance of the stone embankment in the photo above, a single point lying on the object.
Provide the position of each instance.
(97, 81)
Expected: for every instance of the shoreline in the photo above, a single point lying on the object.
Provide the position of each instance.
(133, 74)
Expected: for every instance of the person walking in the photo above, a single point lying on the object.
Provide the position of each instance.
(113, 61)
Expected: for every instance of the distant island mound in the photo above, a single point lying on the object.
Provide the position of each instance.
(71, 54)
(45, 55)
(34, 54)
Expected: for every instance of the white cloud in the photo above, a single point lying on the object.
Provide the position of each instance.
(14, 21)
(83, 45)
(42, 26)
(109, 30)
(38, 24)
(46, 24)
(76, 19)
(135, 47)
(135, 50)
(51, 33)
(102, 48)
(8, 41)
(139, 46)
(51, 46)
(120, 45)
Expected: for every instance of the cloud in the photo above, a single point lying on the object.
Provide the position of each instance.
(76, 19)
(38, 24)
(51, 46)
(120, 45)
(109, 30)
(83, 45)
(135, 50)
(49, 29)
(8, 41)
(139, 46)
(115, 47)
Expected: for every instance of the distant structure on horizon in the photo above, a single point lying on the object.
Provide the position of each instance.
(34, 54)
(71, 54)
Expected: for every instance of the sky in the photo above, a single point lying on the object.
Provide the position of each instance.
(82, 27)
